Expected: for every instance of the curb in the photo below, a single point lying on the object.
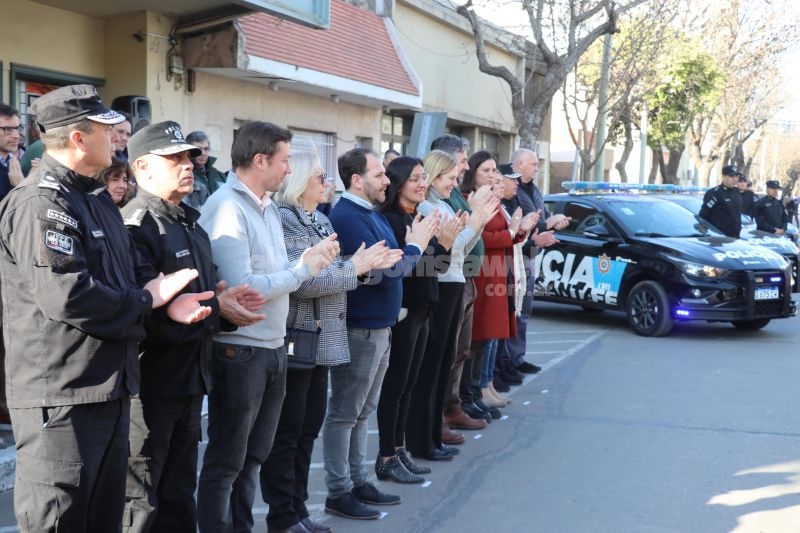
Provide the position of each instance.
(8, 463)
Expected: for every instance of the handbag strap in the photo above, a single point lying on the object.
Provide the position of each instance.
(315, 306)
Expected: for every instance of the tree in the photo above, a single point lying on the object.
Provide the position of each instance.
(690, 86)
(644, 34)
(562, 32)
(746, 40)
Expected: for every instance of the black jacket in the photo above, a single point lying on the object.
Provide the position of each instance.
(749, 199)
(770, 214)
(73, 310)
(530, 199)
(722, 208)
(421, 286)
(174, 357)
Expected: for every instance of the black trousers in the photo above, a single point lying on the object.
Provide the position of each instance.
(424, 427)
(71, 463)
(284, 475)
(409, 338)
(162, 468)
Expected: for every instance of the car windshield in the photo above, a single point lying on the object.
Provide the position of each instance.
(689, 201)
(658, 218)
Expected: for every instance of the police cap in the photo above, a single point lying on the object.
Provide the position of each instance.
(71, 104)
(163, 138)
(730, 170)
(773, 184)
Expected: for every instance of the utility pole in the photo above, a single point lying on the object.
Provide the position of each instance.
(643, 144)
(602, 111)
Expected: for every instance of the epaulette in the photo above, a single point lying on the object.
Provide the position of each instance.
(49, 182)
(135, 218)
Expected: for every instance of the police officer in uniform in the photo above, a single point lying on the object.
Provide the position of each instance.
(74, 313)
(770, 213)
(174, 360)
(749, 198)
(722, 205)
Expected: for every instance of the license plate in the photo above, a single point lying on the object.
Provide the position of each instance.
(767, 293)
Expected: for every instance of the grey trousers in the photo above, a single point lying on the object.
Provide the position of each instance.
(71, 464)
(355, 390)
(244, 407)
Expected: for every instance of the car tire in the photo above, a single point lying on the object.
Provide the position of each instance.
(648, 309)
(750, 325)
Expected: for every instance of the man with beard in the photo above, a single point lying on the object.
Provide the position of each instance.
(372, 310)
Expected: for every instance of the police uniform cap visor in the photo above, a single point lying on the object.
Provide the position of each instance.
(506, 170)
(742, 179)
(772, 184)
(730, 170)
(71, 104)
(163, 138)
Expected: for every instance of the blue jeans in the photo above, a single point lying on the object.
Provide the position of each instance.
(355, 389)
(244, 406)
(487, 365)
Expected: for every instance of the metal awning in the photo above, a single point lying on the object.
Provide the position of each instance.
(313, 13)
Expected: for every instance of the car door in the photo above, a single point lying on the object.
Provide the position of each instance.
(580, 268)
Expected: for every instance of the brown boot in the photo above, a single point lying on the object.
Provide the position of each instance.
(458, 419)
(449, 436)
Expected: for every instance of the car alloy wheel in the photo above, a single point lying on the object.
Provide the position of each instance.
(648, 309)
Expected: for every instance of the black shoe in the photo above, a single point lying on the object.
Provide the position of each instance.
(349, 506)
(512, 372)
(528, 368)
(410, 465)
(493, 412)
(297, 528)
(449, 450)
(315, 527)
(500, 385)
(369, 493)
(474, 411)
(438, 455)
(393, 470)
(510, 375)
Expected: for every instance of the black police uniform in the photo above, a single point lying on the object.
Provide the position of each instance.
(74, 317)
(749, 199)
(770, 214)
(722, 208)
(165, 419)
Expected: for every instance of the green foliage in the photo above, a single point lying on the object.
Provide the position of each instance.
(691, 86)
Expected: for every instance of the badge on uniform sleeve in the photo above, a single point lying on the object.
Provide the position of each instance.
(62, 218)
(59, 242)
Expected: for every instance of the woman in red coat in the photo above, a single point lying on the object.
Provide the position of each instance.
(494, 310)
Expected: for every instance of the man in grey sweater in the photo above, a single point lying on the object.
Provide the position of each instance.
(248, 366)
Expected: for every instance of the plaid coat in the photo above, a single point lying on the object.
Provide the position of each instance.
(324, 295)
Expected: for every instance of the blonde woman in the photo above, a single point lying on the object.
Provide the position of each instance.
(319, 303)
(424, 429)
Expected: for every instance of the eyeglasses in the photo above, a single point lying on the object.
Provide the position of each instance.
(422, 176)
(322, 177)
(9, 130)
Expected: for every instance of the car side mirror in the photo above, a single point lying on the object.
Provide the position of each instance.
(598, 231)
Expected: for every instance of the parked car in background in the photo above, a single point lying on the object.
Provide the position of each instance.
(658, 263)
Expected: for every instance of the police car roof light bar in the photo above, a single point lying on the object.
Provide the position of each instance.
(583, 187)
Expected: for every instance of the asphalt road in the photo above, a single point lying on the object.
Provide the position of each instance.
(696, 432)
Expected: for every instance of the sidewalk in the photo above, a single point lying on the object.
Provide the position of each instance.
(8, 458)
